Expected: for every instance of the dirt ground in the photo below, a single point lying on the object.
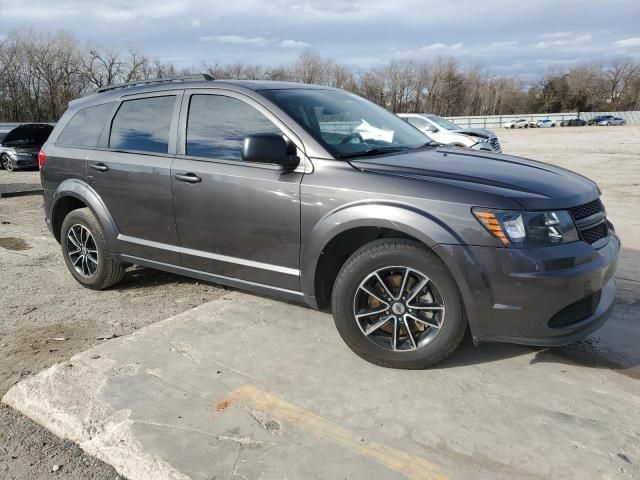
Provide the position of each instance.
(45, 317)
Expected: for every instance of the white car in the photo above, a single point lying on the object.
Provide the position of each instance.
(546, 123)
(519, 123)
(445, 132)
(613, 121)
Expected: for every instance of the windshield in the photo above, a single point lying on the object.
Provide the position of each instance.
(345, 124)
(443, 122)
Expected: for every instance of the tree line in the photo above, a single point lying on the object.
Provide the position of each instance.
(40, 73)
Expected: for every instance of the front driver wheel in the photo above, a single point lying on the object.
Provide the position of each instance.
(85, 251)
(396, 305)
(7, 163)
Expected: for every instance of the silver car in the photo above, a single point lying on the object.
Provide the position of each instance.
(613, 121)
(446, 132)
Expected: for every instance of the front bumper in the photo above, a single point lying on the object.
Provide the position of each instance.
(21, 161)
(512, 295)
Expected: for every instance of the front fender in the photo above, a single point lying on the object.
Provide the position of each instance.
(394, 216)
(86, 194)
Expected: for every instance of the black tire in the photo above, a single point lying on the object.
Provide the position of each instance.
(385, 253)
(512, 127)
(108, 272)
(6, 162)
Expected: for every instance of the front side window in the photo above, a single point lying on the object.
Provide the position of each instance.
(217, 126)
(84, 129)
(143, 125)
(345, 124)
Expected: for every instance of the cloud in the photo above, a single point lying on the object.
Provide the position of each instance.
(524, 38)
(293, 44)
(235, 40)
(628, 42)
(556, 35)
(567, 38)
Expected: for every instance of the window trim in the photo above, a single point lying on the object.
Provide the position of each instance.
(105, 138)
(305, 164)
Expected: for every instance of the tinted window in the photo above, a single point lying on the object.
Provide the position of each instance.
(84, 129)
(217, 126)
(143, 125)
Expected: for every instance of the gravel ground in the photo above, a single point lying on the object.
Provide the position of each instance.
(46, 317)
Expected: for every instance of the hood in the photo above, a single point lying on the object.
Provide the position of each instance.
(476, 132)
(534, 185)
(33, 135)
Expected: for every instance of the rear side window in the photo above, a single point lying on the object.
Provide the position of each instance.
(217, 126)
(143, 125)
(84, 129)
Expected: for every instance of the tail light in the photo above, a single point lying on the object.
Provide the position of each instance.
(41, 159)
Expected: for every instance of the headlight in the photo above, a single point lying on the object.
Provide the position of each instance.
(478, 139)
(528, 229)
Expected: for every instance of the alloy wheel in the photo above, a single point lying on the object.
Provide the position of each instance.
(399, 308)
(6, 163)
(82, 250)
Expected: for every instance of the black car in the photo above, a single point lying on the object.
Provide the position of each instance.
(574, 122)
(315, 195)
(19, 148)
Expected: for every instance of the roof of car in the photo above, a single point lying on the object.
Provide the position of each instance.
(116, 91)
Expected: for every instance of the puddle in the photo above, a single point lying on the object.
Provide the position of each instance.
(14, 243)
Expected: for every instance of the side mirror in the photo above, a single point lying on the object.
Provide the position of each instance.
(430, 128)
(269, 148)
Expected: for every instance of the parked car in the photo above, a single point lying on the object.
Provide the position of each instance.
(600, 118)
(574, 122)
(612, 121)
(20, 146)
(545, 123)
(446, 132)
(315, 195)
(519, 123)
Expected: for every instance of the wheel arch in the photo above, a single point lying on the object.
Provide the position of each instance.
(340, 233)
(72, 194)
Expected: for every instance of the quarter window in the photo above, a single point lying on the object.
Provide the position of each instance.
(143, 125)
(217, 126)
(85, 127)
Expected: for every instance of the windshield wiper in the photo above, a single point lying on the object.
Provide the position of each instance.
(372, 151)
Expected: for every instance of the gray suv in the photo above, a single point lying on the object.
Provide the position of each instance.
(315, 195)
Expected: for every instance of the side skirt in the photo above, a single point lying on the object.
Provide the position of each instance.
(260, 288)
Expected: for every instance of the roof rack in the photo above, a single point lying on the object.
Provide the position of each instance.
(135, 83)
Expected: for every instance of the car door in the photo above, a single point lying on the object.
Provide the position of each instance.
(235, 219)
(131, 174)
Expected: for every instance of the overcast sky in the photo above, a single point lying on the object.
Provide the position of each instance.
(513, 37)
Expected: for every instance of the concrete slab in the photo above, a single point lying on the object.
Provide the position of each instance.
(247, 387)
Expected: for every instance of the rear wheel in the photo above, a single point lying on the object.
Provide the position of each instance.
(7, 162)
(396, 305)
(85, 251)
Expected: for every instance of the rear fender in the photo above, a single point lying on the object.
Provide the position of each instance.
(82, 191)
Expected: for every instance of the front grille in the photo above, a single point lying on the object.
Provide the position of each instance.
(593, 234)
(494, 144)
(576, 312)
(589, 232)
(586, 210)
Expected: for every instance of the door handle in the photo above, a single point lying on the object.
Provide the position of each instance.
(100, 167)
(188, 177)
